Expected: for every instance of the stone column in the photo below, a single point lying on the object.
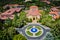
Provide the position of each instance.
(32, 19)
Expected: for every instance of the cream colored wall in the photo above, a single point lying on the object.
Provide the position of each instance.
(36, 18)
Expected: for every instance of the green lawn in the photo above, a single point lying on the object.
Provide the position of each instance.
(29, 33)
(39, 33)
(29, 27)
(38, 27)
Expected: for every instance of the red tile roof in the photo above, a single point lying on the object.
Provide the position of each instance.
(33, 11)
(55, 12)
(54, 9)
(9, 13)
(56, 15)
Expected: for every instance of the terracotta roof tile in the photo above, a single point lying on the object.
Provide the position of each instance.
(56, 15)
(33, 11)
(9, 13)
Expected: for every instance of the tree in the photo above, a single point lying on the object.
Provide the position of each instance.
(15, 20)
(7, 23)
(19, 37)
(19, 20)
(7, 34)
(49, 36)
(56, 30)
(46, 19)
(1, 24)
(54, 25)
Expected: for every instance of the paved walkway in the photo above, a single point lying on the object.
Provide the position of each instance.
(34, 21)
(45, 30)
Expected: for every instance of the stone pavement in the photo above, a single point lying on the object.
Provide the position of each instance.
(45, 30)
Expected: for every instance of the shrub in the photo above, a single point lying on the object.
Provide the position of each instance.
(19, 37)
(49, 36)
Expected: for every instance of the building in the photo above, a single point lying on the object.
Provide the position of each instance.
(27, 0)
(33, 13)
(55, 12)
(9, 13)
(8, 6)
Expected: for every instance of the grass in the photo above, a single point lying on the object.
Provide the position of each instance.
(29, 33)
(39, 33)
(38, 27)
(29, 27)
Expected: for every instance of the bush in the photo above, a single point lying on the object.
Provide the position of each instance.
(19, 37)
(49, 36)
(19, 20)
(55, 3)
(7, 34)
(56, 30)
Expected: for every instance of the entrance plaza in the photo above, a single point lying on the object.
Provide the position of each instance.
(34, 31)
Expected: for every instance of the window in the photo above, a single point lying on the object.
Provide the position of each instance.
(33, 18)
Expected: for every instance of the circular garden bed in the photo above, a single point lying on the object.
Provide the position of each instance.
(34, 31)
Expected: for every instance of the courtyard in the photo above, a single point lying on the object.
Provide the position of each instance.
(29, 20)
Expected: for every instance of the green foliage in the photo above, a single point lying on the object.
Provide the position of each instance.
(7, 23)
(19, 20)
(55, 3)
(56, 30)
(19, 37)
(49, 36)
(28, 4)
(1, 24)
(40, 4)
(1, 9)
(15, 20)
(27, 20)
(35, 0)
(46, 19)
(54, 25)
(7, 34)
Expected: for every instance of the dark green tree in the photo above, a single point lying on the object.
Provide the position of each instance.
(19, 20)
(7, 34)
(7, 23)
(56, 30)
(49, 36)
